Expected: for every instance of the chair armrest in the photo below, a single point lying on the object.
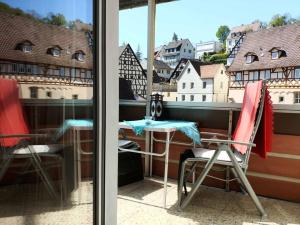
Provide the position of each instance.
(228, 142)
(214, 134)
(23, 135)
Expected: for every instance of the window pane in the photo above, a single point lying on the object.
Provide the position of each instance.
(297, 73)
(47, 179)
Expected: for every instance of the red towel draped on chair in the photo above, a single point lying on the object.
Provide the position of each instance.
(11, 114)
(263, 139)
(247, 118)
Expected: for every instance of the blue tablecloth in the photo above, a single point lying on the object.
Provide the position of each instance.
(69, 124)
(188, 128)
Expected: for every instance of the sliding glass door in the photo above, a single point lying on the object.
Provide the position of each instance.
(57, 63)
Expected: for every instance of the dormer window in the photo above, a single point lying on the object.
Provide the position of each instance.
(55, 51)
(25, 46)
(251, 57)
(277, 53)
(80, 55)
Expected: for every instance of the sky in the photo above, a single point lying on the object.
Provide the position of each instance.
(71, 9)
(197, 20)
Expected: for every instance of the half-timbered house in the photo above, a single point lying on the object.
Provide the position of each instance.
(270, 54)
(41, 56)
(131, 70)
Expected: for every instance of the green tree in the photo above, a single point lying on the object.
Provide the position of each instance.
(222, 33)
(175, 37)
(138, 53)
(279, 20)
(56, 19)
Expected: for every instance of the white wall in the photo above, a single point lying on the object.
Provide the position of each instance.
(184, 51)
(208, 47)
(198, 90)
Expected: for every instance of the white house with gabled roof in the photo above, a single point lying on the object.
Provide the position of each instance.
(202, 83)
(174, 51)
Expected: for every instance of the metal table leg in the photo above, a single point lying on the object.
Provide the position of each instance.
(151, 151)
(166, 167)
(78, 144)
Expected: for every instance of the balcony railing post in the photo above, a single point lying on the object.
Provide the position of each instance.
(150, 59)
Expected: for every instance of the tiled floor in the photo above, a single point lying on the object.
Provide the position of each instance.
(31, 205)
(141, 203)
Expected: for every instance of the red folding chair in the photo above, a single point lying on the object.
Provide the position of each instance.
(232, 153)
(15, 139)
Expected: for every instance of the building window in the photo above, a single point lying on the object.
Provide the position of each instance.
(62, 71)
(28, 68)
(281, 99)
(229, 42)
(183, 85)
(192, 98)
(168, 71)
(297, 73)
(249, 59)
(267, 75)
(80, 56)
(182, 97)
(14, 68)
(275, 54)
(222, 71)
(238, 76)
(203, 98)
(204, 85)
(190, 51)
(33, 92)
(184, 50)
(168, 94)
(49, 94)
(189, 70)
(56, 52)
(21, 68)
(296, 97)
(74, 96)
(192, 85)
(73, 72)
(27, 48)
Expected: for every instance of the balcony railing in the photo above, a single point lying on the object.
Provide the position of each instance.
(277, 170)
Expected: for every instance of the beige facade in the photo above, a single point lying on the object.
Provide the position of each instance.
(170, 96)
(278, 95)
(221, 82)
(48, 91)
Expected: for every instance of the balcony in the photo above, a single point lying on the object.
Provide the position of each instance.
(141, 202)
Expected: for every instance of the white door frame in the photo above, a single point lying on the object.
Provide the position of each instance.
(106, 95)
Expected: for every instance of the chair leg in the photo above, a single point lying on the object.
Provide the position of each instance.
(64, 181)
(180, 183)
(208, 166)
(227, 182)
(191, 172)
(5, 165)
(246, 183)
(44, 175)
(242, 187)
